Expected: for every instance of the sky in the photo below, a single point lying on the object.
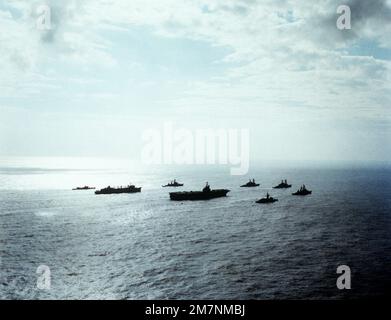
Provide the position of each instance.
(107, 71)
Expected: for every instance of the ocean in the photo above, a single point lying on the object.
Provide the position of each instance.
(144, 246)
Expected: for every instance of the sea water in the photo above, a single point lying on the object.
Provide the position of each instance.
(144, 246)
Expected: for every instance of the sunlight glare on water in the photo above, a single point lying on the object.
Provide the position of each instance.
(134, 246)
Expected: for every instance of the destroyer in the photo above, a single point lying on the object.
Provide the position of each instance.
(283, 185)
(109, 190)
(84, 188)
(268, 199)
(249, 184)
(173, 184)
(302, 191)
(205, 194)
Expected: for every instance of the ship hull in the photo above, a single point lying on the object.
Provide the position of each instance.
(198, 195)
(267, 200)
(250, 186)
(302, 193)
(173, 186)
(117, 191)
(283, 187)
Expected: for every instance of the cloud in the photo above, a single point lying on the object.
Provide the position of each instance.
(285, 66)
(277, 48)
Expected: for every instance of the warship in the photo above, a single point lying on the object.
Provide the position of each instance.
(267, 199)
(249, 184)
(283, 185)
(84, 188)
(173, 183)
(128, 189)
(302, 191)
(205, 194)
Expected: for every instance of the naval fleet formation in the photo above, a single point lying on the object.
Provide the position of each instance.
(205, 194)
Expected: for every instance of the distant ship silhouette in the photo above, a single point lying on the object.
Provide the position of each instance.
(302, 191)
(173, 183)
(249, 184)
(109, 190)
(267, 199)
(205, 194)
(84, 188)
(283, 185)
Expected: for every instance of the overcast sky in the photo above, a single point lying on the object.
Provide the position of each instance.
(107, 70)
